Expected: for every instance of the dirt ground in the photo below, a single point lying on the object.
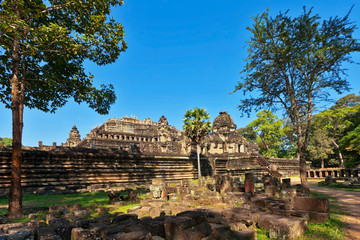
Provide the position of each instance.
(351, 202)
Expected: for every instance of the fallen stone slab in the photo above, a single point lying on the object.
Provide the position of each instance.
(314, 204)
(83, 234)
(281, 227)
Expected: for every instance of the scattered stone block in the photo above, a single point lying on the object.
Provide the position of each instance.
(281, 227)
(270, 190)
(82, 234)
(220, 231)
(314, 204)
(124, 217)
(46, 233)
(137, 235)
(249, 183)
(286, 183)
(318, 217)
(245, 234)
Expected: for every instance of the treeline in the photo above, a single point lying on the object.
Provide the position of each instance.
(334, 135)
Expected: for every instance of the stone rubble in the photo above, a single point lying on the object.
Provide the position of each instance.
(210, 209)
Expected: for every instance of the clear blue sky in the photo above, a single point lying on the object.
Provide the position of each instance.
(181, 54)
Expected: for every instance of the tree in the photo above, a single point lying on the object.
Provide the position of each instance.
(196, 127)
(43, 47)
(320, 145)
(292, 63)
(334, 122)
(5, 141)
(267, 132)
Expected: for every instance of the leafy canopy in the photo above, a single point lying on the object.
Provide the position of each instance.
(267, 131)
(293, 61)
(50, 40)
(5, 141)
(196, 124)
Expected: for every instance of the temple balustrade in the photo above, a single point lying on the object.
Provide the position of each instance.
(333, 172)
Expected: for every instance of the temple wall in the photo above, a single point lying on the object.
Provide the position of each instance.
(61, 169)
(65, 170)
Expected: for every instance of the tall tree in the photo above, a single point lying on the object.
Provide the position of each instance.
(292, 63)
(267, 132)
(43, 45)
(196, 127)
(320, 145)
(335, 122)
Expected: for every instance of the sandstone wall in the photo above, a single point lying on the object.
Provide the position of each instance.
(61, 169)
(65, 170)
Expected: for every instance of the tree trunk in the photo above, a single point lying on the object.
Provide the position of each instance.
(198, 160)
(15, 196)
(340, 155)
(302, 168)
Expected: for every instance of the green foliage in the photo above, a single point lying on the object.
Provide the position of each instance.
(293, 63)
(45, 43)
(196, 124)
(267, 131)
(335, 132)
(5, 141)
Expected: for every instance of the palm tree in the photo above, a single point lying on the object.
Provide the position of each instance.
(196, 127)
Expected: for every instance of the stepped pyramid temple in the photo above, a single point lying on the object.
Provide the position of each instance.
(147, 136)
(130, 150)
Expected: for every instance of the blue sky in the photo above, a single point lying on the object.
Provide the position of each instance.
(181, 54)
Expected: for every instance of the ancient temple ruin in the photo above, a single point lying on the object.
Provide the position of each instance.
(147, 136)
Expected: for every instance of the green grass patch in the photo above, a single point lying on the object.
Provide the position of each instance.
(32, 201)
(123, 208)
(85, 199)
(339, 186)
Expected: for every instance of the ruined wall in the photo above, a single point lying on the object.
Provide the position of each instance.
(66, 170)
(61, 169)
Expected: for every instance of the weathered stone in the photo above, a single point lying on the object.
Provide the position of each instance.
(113, 196)
(245, 234)
(281, 227)
(237, 216)
(198, 216)
(175, 226)
(270, 190)
(249, 183)
(219, 231)
(137, 235)
(132, 196)
(124, 217)
(46, 233)
(82, 234)
(20, 235)
(286, 183)
(318, 217)
(156, 212)
(314, 204)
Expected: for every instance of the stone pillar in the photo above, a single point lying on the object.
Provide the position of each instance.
(249, 183)
(286, 183)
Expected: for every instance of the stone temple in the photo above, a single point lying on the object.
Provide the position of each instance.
(147, 136)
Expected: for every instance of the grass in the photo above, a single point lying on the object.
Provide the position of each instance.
(333, 229)
(100, 199)
(339, 186)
